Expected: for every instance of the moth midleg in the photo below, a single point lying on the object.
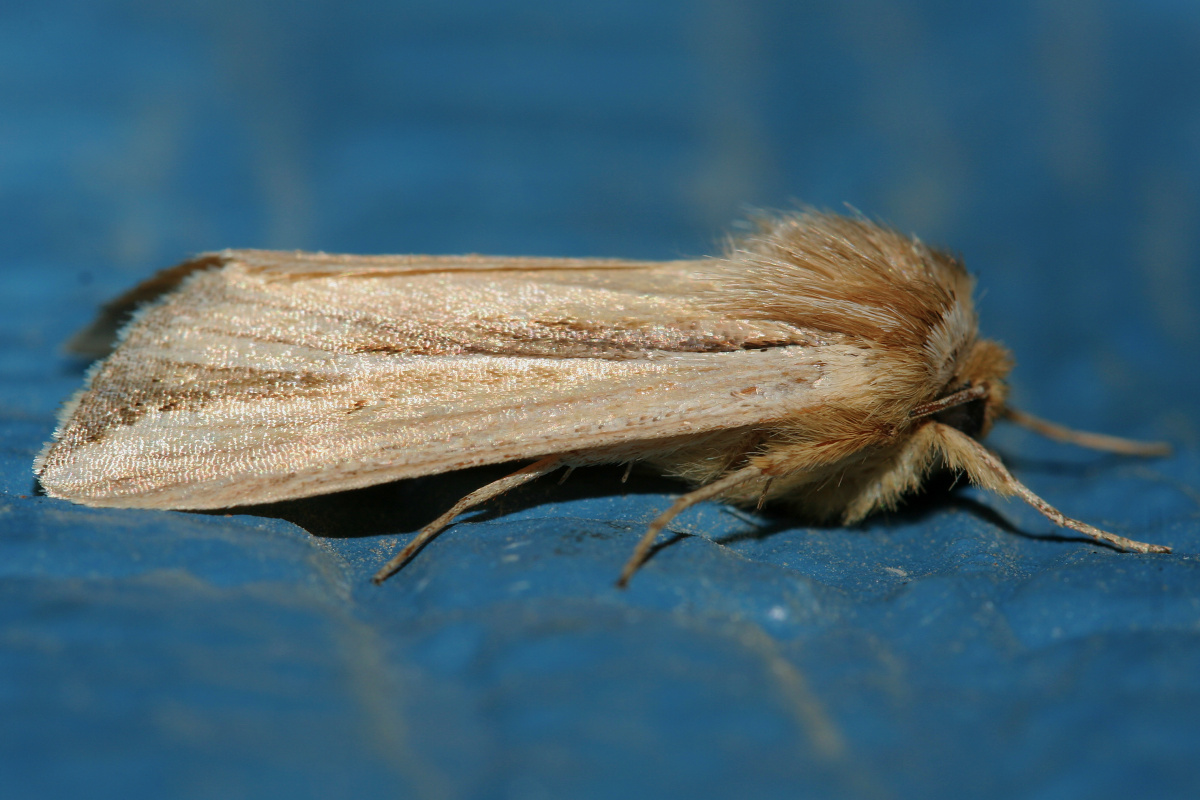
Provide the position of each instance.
(481, 495)
(681, 504)
(1092, 441)
(986, 470)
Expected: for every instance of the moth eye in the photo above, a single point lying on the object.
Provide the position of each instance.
(968, 417)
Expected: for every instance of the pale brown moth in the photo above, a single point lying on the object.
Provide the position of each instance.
(825, 362)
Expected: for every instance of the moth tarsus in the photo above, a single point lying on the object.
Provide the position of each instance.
(475, 498)
(825, 362)
(681, 504)
(989, 468)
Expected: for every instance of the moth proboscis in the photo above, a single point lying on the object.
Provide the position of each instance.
(825, 362)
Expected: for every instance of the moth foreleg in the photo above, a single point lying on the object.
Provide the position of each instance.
(986, 470)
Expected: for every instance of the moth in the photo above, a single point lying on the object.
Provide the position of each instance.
(825, 362)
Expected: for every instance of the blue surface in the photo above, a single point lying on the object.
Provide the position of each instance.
(960, 646)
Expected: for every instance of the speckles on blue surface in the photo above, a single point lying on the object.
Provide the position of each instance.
(49, 539)
(162, 681)
(252, 644)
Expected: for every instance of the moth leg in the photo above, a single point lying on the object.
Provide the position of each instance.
(985, 470)
(475, 498)
(681, 504)
(1092, 441)
(762, 498)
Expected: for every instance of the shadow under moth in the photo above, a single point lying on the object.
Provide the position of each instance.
(823, 362)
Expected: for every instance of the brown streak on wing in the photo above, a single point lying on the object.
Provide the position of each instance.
(124, 391)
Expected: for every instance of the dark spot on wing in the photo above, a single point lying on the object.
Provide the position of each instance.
(126, 390)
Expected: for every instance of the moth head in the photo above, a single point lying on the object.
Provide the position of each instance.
(981, 380)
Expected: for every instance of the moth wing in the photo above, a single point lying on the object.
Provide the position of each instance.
(254, 377)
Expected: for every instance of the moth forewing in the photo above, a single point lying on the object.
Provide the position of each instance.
(247, 384)
(816, 363)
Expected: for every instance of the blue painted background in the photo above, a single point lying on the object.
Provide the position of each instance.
(960, 646)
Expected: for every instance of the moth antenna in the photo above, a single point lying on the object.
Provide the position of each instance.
(628, 469)
(681, 504)
(961, 452)
(566, 474)
(977, 392)
(1092, 441)
(477, 497)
